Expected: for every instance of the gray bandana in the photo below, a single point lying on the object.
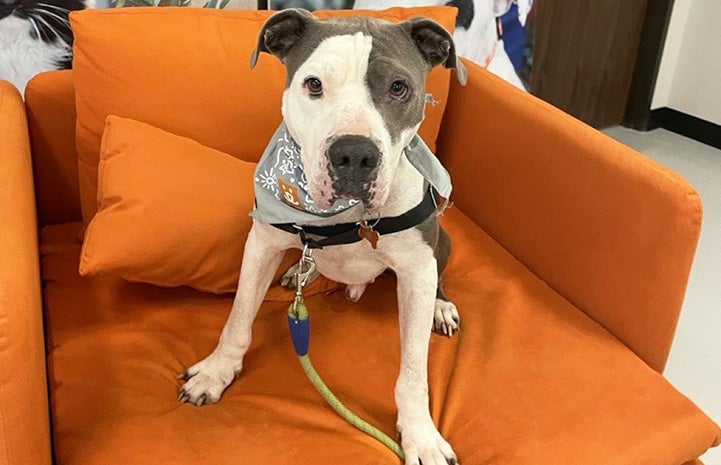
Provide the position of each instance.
(281, 186)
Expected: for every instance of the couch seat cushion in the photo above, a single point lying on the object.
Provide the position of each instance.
(528, 380)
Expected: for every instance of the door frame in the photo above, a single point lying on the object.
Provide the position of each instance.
(648, 61)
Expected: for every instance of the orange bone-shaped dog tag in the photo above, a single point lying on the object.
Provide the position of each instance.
(366, 232)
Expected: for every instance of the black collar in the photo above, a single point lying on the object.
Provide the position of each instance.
(349, 233)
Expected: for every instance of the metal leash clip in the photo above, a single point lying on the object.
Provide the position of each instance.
(306, 267)
(298, 318)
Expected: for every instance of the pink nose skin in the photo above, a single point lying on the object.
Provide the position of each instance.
(354, 125)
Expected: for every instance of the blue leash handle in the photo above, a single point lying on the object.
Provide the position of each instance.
(299, 333)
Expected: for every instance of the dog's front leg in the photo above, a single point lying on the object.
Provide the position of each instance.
(420, 439)
(207, 379)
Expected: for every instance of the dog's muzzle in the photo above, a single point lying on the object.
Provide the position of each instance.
(353, 165)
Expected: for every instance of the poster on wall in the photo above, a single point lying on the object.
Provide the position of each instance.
(217, 4)
(496, 34)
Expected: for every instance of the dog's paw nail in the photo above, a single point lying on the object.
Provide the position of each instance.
(452, 461)
(184, 376)
(201, 400)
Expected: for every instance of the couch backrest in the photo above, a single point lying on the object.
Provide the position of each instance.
(182, 70)
(187, 71)
(50, 105)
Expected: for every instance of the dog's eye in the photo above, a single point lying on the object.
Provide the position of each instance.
(314, 86)
(398, 89)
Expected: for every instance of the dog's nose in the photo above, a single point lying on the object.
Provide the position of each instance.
(353, 157)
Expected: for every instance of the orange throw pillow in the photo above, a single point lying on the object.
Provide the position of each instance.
(171, 212)
(187, 71)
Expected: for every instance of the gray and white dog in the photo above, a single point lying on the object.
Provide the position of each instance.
(354, 100)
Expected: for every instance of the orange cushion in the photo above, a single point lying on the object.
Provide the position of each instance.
(530, 379)
(171, 212)
(186, 70)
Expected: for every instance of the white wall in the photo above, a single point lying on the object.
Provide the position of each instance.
(689, 78)
(671, 50)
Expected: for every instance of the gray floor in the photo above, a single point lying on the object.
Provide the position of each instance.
(695, 363)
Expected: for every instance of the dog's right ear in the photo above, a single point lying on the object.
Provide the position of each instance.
(435, 44)
(280, 32)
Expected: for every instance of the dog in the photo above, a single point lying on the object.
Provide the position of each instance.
(35, 36)
(353, 103)
(477, 37)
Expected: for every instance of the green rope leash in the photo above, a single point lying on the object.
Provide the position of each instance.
(299, 325)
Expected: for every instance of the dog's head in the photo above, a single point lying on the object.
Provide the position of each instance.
(354, 97)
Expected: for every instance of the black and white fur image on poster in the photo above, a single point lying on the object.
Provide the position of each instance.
(35, 36)
(476, 34)
(353, 102)
(311, 5)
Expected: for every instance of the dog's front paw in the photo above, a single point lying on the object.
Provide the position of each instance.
(423, 444)
(206, 380)
(446, 319)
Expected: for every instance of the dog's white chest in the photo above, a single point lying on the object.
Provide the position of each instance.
(350, 264)
(359, 263)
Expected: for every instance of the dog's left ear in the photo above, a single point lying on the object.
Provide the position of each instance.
(280, 32)
(436, 45)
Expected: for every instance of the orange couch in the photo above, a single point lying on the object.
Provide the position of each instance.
(571, 256)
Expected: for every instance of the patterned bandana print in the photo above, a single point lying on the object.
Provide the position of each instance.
(282, 174)
(281, 185)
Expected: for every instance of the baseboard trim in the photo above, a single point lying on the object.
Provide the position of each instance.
(686, 125)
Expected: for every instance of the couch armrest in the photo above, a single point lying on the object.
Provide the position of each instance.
(607, 228)
(50, 106)
(24, 424)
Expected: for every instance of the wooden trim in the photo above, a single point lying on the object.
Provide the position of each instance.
(686, 125)
(648, 60)
(584, 56)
